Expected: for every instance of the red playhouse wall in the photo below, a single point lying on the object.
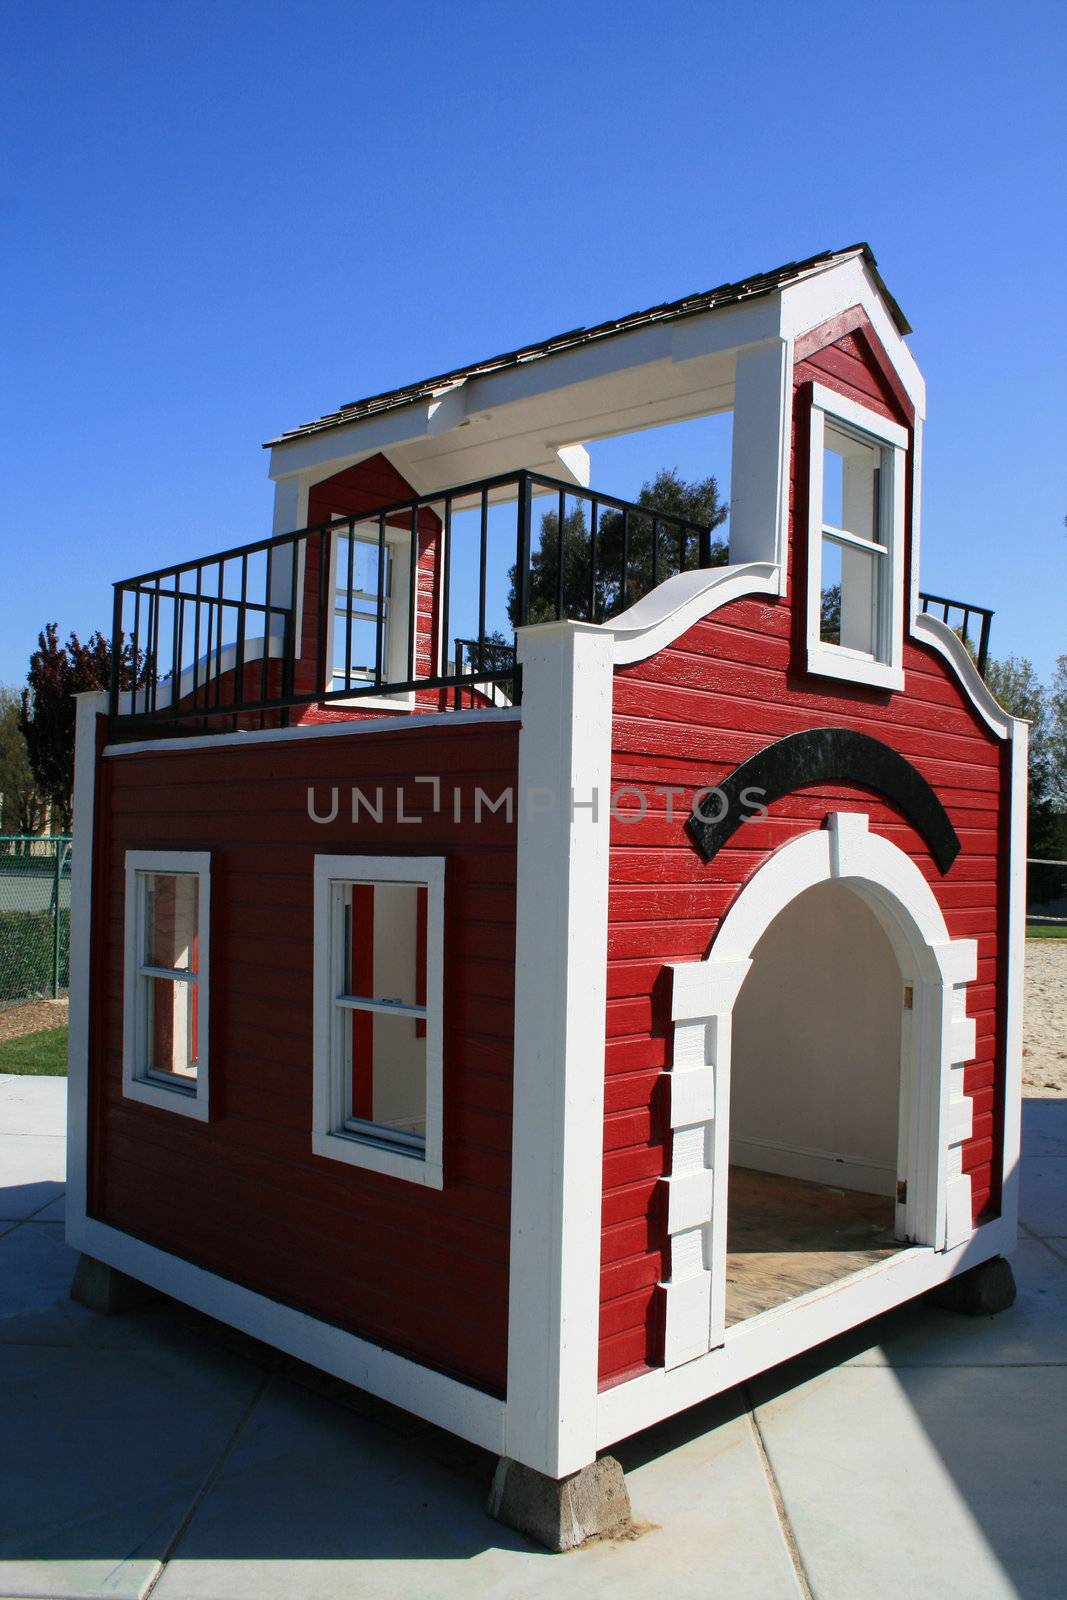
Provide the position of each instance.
(687, 716)
(424, 1272)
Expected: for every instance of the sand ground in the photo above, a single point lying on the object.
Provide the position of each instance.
(1045, 1019)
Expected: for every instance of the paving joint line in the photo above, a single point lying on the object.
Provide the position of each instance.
(210, 1479)
(784, 1520)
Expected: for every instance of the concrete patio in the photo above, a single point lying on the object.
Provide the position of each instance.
(159, 1453)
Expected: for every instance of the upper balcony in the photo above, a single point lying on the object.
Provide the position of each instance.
(420, 548)
(407, 606)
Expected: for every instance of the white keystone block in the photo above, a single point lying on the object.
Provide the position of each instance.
(689, 1200)
(688, 1319)
(692, 1097)
(962, 1040)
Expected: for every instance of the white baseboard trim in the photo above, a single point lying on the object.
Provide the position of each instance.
(428, 1394)
(813, 1166)
(774, 1336)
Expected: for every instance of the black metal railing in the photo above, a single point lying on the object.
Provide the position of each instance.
(366, 607)
(957, 615)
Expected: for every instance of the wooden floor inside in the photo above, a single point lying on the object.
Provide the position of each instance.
(785, 1237)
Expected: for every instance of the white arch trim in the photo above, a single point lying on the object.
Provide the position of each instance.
(938, 1039)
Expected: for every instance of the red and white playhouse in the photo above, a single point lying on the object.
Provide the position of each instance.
(545, 980)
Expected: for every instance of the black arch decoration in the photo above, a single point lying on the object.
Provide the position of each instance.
(827, 755)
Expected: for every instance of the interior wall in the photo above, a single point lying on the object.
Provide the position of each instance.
(815, 1065)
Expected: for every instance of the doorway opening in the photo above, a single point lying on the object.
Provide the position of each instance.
(815, 1189)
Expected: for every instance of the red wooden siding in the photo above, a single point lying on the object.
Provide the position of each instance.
(419, 1270)
(686, 717)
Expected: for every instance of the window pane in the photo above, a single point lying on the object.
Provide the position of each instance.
(171, 1027)
(830, 626)
(364, 634)
(388, 1070)
(851, 496)
(171, 903)
(385, 941)
(851, 586)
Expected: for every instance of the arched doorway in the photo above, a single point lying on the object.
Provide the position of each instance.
(890, 911)
(815, 1150)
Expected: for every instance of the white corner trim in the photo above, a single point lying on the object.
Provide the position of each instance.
(444, 1401)
(328, 1138)
(664, 614)
(90, 705)
(1013, 1053)
(560, 1010)
(938, 968)
(192, 1101)
(940, 637)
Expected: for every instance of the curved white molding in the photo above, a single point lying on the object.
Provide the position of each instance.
(940, 637)
(937, 1039)
(664, 614)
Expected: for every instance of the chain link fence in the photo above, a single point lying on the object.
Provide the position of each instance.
(34, 917)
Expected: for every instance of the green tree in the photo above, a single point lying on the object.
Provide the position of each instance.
(57, 673)
(653, 552)
(1057, 733)
(1019, 690)
(22, 808)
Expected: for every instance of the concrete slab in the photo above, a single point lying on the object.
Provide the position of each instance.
(104, 1453)
(1043, 1195)
(1045, 1128)
(314, 1499)
(54, 1211)
(33, 1172)
(36, 1267)
(34, 1105)
(936, 1479)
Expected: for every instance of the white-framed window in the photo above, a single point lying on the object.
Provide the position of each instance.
(855, 600)
(379, 932)
(165, 989)
(356, 557)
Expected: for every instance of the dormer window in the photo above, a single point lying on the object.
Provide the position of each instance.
(855, 604)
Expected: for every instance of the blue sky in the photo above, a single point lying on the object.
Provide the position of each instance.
(222, 219)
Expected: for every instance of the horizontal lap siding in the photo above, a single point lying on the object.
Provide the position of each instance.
(421, 1271)
(686, 717)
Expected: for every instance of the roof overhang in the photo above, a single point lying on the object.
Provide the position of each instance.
(657, 368)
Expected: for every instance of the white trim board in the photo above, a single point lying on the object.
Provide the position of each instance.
(436, 1398)
(412, 722)
(560, 1012)
(89, 706)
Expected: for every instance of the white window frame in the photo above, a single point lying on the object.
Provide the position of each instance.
(884, 670)
(187, 1099)
(396, 646)
(330, 1137)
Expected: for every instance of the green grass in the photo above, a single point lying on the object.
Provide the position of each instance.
(1046, 930)
(38, 1055)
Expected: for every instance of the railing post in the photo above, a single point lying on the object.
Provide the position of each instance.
(116, 652)
(983, 643)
